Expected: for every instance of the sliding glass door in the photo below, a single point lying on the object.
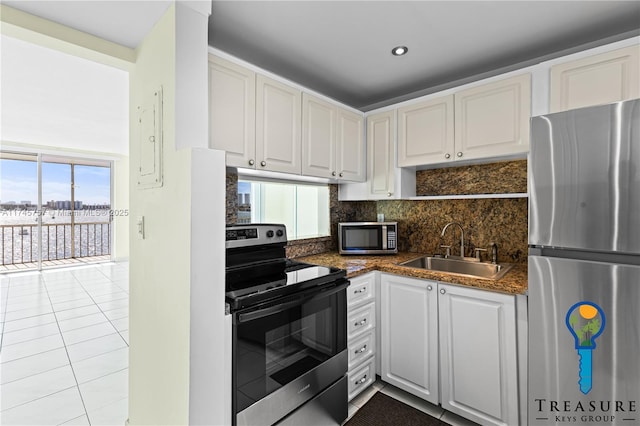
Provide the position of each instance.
(19, 212)
(69, 221)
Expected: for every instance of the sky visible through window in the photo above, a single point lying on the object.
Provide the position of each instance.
(19, 182)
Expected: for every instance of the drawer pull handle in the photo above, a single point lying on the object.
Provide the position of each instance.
(362, 349)
(359, 323)
(361, 381)
(362, 290)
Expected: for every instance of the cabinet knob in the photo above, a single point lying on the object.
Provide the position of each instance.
(333, 173)
(447, 156)
(442, 291)
(429, 287)
(459, 154)
(360, 323)
(389, 194)
(263, 163)
(340, 174)
(251, 162)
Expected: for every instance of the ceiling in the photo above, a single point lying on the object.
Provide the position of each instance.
(123, 22)
(342, 48)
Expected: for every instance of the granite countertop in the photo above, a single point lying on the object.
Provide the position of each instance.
(513, 282)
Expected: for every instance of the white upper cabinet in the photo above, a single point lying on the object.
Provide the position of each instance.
(278, 120)
(486, 120)
(318, 137)
(493, 119)
(380, 148)
(265, 124)
(478, 355)
(425, 132)
(332, 141)
(232, 103)
(350, 152)
(596, 80)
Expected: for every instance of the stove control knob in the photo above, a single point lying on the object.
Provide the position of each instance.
(279, 233)
(269, 234)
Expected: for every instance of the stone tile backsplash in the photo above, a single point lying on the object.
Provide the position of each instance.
(420, 222)
(495, 178)
(499, 220)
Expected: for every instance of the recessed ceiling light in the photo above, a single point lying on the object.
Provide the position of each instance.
(399, 50)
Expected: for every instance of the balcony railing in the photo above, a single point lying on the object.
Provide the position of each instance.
(59, 241)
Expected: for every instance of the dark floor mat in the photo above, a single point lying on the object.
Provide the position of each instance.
(382, 410)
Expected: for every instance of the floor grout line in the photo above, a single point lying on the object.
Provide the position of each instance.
(110, 319)
(75, 378)
(40, 372)
(50, 289)
(4, 312)
(37, 353)
(40, 397)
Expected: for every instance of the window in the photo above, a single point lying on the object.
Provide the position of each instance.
(53, 209)
(303, 208)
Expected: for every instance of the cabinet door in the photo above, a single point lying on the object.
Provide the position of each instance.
(350, 156)
(232, 106)
(493, 119)
(409, 332)
(318, 137)
(278, 120)
(478, 355)
(380, 148)
(596, 80)
(425, 132)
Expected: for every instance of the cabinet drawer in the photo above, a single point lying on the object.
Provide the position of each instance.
(361, 378)
(361, 291)
(361, 348)
(361, 320)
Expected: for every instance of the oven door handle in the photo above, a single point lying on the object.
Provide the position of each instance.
(305, 297)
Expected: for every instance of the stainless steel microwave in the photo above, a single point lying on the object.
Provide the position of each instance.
(367, 237)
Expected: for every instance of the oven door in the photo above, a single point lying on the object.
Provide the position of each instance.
(287, 352)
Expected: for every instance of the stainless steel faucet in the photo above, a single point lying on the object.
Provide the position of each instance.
(461, 235)
(494, 253)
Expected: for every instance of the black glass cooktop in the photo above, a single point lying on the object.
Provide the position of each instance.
(258, 283)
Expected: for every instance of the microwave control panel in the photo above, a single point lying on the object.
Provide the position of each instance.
(391, 236)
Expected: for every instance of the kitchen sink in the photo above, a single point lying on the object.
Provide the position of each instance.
(464, 267)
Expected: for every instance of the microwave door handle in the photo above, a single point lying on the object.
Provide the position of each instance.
(384, 237)
(281, 307)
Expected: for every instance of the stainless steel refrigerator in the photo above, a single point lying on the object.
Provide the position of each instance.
(584, 267)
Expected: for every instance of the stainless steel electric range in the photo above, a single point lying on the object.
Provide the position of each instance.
(289, 332)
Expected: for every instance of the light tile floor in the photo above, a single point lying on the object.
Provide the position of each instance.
(64, 346)
(411, 400)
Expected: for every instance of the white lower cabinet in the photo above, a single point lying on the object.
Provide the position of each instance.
(478, 355)
(451, 345)
(409, 314)
(361, 333)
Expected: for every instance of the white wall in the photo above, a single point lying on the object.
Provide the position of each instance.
(159, 265)
(177, 272)
(59, 100)
(60, 104)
